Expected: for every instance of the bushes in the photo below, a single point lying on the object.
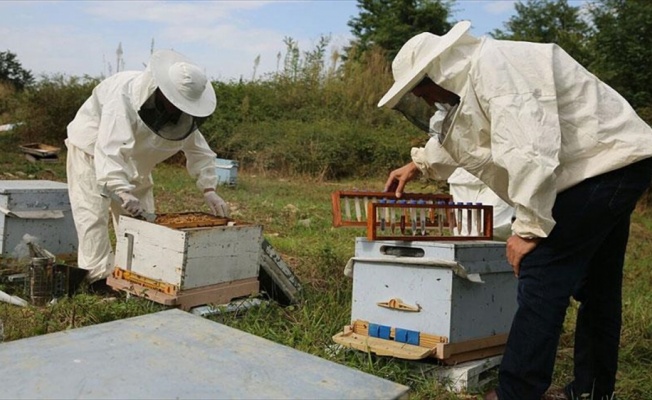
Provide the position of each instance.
(325, 149)
(46, 108)
(326, 126)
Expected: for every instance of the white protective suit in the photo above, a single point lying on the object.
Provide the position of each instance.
(466, 188)
(519, 126)
(108, 144)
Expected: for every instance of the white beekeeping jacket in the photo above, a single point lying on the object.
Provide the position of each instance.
(465, 187)
(531, 122)
(125, 150)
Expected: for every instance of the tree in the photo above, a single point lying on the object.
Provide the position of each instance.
(388, 24)
(12, 72)
(623, 47)
(549, 21)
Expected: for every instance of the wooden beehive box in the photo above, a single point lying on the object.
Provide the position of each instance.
(188, 251)
(446, 298)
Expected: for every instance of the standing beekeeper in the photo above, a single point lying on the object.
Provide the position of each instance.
(133, 121)
(570, 155)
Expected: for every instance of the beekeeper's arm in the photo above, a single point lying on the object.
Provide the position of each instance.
(433, 160)
(114, 147)
(525, 141)
(200, 162)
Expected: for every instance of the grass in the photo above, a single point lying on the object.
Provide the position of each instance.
(296, 217)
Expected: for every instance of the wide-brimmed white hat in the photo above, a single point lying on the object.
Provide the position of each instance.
(183, 83)
(410, 64)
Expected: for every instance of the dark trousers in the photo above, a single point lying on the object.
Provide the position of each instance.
(582, 257)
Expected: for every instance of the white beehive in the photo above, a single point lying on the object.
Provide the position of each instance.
(227, 171)
(188, 258)
(439, 279)
(41, 209)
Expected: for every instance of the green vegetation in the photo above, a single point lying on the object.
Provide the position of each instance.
(295, 213)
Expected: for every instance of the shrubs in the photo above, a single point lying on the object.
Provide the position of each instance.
(46, 108)
(325, 149)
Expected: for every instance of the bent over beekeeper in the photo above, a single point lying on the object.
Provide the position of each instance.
(570, 155)
(131, 122)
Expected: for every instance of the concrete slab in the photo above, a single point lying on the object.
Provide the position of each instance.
(175, 355)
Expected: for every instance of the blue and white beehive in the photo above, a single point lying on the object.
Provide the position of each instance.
(460, 290)
(227, 171)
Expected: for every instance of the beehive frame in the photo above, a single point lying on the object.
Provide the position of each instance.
(413, 216)
(343, 214)
(425, 222)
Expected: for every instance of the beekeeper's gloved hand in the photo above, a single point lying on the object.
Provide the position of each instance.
(130, 203)
(216, 204)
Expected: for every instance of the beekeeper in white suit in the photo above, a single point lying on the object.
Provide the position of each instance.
(570, 155)
(132, 122)
(466, 188)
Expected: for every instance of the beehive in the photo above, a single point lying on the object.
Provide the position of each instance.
(41, 209)
(462, 290)
(453, 301)
(227, 172)
(189, 250)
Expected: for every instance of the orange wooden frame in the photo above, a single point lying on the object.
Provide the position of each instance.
(357, 217)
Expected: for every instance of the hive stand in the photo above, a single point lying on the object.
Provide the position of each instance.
(221, 293)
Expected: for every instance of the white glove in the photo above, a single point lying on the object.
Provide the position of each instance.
(216, 204)
(130, 203)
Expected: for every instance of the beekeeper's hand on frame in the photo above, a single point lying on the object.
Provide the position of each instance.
(217, 205)
(130, 203)
(400, 177)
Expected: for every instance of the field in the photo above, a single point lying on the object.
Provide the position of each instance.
(295, 213)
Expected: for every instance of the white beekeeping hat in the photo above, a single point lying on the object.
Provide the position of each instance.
(410, 64)
(183, 83)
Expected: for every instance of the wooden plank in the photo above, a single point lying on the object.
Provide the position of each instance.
(473, 355)
(447, 350)
(221, 293)
(39, 149)
(425, 339)
(45, 159)
(141, 291)
(449, 353)
(144, 281)
(382, 347)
